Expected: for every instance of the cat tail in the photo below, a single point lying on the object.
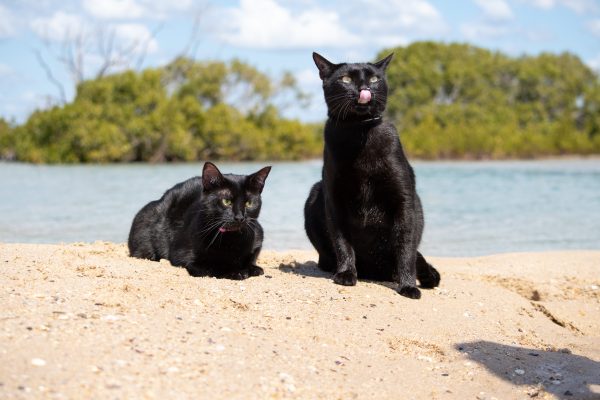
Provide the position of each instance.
(427, 275)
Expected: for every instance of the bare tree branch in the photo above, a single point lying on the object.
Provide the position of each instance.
(50, 76)
(193, 41)
(77, 49)
(144, 52)
(106, 51)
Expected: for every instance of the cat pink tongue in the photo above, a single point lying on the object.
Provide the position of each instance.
(365, 96)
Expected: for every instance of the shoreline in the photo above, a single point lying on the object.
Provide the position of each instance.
(565, 157)
(306, 252)
(86, 320)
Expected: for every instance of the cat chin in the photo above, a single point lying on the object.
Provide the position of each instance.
(363, 110)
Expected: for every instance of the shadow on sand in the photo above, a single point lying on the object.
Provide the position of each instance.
(311, 269)
(308, 268)
(565, 375)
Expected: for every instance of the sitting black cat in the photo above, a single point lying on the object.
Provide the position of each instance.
(206, 224)
(365, 218)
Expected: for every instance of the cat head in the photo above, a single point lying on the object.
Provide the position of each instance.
(353, 90)
(231, 202)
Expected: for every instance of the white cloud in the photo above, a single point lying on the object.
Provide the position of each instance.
(410, 13)
(137, 37)
(579, 6)
(7, 28)
(383, 40)
(594, 26)
(113, 9)
(396, 18)
(543, 4)
(495, 9)
(160, 8)
(266, 24)
(308, 78)
(134, 9)
(477, 31)
(280, 24)
(61, 26)
(67, 27)
(309, 82)
(594, 63)
(5, 70)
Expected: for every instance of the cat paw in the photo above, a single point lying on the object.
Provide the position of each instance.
(410, 291)
(256, 270)
(238, 275)
(346, 278)
(196, 273)
(429, 279)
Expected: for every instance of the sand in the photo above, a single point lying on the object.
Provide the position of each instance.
(86, 321)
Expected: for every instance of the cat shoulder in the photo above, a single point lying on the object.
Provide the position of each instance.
(387, 131)
(389, 127)
(188, 188)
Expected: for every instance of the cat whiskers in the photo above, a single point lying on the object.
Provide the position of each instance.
(252, 224)
(341, 108)
(212, 224)
(214, 238)
(221, 224)
(347, 108)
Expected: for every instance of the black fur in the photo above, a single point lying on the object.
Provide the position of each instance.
(365, 218)
(206, 224)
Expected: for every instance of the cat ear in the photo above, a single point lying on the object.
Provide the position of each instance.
(383, 64)
(325, 66)
(211, 176)
(256, 181)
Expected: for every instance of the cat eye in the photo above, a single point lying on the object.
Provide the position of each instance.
(226, 202)
(249, 204)
(346, 79)
(373, 79)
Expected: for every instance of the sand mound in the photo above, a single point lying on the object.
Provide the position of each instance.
(86, 321)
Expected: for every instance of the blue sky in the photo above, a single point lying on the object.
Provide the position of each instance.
(274, 35)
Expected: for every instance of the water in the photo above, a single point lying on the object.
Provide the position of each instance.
(471, 208)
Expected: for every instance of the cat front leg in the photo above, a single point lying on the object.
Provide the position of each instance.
(345, 271)
(406, 258)
(346, 268)
(427, 275)
(253, 269)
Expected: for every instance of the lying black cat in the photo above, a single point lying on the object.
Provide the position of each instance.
(206, 224)
(365, 218)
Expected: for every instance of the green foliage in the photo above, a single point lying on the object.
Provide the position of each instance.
(185, 111)
(7, 142)
(460, 101)
(447, 101)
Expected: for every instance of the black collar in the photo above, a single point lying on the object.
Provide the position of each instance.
(363, 122)
(370, 120)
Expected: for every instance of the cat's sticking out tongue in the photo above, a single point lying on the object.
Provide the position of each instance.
(364, 97)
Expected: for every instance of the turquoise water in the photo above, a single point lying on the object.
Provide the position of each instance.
(471, 208)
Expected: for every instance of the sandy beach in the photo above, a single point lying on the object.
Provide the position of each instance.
(87, 321)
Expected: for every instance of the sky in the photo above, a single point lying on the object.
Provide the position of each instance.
(273, 35)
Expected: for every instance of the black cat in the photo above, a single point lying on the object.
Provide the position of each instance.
(365, 218)
(206, 224)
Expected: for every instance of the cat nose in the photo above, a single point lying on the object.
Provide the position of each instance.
(239, 217)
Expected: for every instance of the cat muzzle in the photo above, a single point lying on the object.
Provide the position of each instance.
(364, 96)
(232, 228)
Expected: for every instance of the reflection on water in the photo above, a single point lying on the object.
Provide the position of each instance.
(471, 208)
